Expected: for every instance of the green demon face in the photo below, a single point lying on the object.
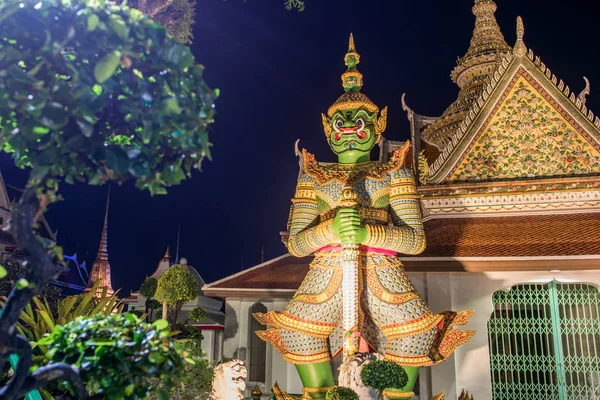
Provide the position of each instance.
(353, 130)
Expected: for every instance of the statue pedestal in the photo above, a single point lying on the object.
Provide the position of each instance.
(391, 394)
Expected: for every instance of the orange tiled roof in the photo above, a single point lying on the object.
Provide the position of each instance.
(509, 236)
(514, 236)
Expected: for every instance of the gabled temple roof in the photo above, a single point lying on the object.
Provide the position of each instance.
(522, 102)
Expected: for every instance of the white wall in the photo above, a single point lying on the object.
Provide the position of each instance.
(237, 319)
(469, 368)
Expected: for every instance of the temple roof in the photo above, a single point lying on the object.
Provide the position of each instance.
(472, 71)
(525, 123)
(487, 243)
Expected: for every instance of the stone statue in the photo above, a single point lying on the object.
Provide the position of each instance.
(229, 382)
(350, 374)
(370, 211)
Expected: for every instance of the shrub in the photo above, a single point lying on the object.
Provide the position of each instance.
(341, 393)
(381, 375)
(197, 314)
(116, 354)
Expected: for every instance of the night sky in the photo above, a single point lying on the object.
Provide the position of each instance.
(277, 71)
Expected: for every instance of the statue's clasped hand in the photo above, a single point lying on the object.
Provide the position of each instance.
(348, 228)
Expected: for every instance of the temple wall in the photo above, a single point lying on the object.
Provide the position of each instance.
(237, 331)
(469, 368)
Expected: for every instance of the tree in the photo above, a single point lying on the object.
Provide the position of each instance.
(148, 289)
(177, 16)
(152, 305)
(382, 375)
(94, 92)
(176, 287)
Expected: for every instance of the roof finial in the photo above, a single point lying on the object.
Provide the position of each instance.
(520, 49)
(352, 80)
(167, 255)
(177, 251)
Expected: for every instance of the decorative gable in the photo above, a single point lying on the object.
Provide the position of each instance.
(527, 134)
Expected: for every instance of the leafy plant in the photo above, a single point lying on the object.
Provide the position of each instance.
(197, 314)
(94, 92)
(196, 378)
(176, 287)
(381, 375)
(152, 305)
(116, 354)
(128, 102)
(341, 393)
(148, 289)
(37, 321)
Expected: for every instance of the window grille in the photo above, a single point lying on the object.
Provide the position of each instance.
(545, 342)
(257, 348)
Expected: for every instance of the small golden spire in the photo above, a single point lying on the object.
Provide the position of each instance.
(167, 255)
(520, 49)
(352, 80)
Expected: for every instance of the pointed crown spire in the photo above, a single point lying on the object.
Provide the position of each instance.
(352, 82)
(103, 248)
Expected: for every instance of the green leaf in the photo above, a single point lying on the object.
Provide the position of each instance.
(162, 395)
(22, 284)
(129, 389)
(97, 89)
(117, 24)
(3, 272)
(106, 67)
(92, 22)
(160, 324)
(172, 105)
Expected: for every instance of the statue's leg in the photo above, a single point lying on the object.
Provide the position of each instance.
(316, 376)
(401, 315)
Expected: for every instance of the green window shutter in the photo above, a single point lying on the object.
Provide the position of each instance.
(544, 342)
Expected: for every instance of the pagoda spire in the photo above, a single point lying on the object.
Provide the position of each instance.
(472, 71)
(487, 46)
(101, 268)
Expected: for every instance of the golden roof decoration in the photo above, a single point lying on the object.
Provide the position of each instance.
(472, 71)
(528, 60)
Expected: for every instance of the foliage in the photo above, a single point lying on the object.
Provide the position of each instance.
(381, 375)
(190, 332)
(14, 271)
(177, 286)
(177, 16)
(148, 288)
(294, 4)
(116, 353)
(197, 314)
(38, 321)
(341, 393)
(196, 378)
(125, 102)
(137, 313)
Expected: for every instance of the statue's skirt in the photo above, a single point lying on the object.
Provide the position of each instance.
(393, 318)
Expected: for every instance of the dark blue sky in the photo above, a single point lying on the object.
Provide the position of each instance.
(277, 71)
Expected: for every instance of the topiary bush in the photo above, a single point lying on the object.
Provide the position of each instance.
(116, 354)
(381, 375)
(197, 314)
(341, 393)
